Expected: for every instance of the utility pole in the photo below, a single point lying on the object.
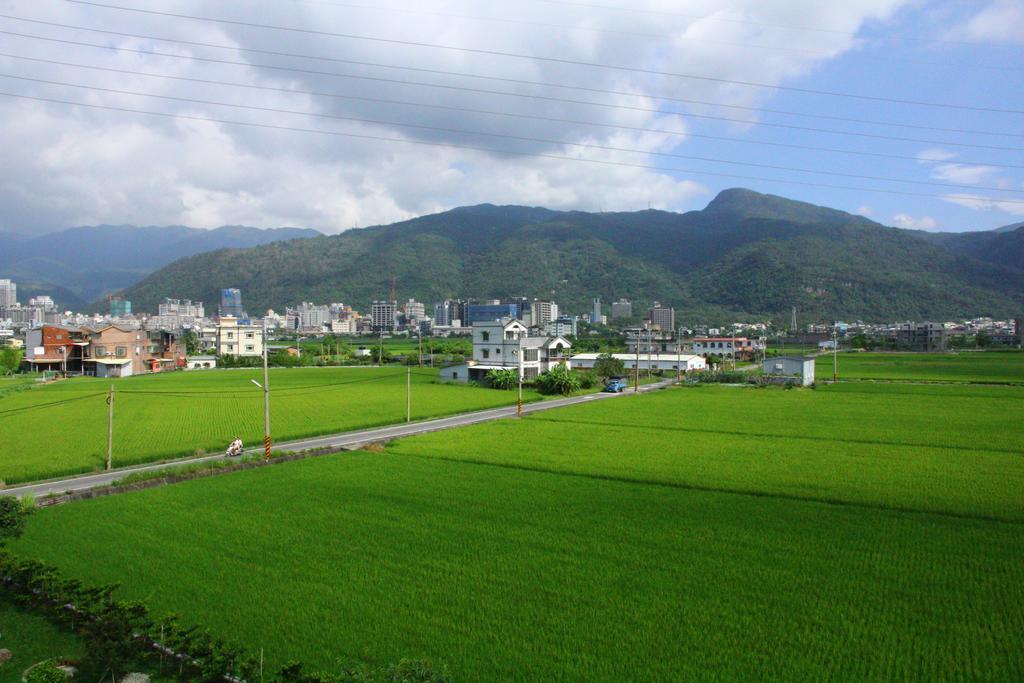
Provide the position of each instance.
(266, 397)
(650, 336)
(679, 354)
(419, 341)
(835, 355)
(636, 363)
(519, 401)
(408, 393)
(380, 358)
(110, 428)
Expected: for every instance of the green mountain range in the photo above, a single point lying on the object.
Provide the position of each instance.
(745, 255)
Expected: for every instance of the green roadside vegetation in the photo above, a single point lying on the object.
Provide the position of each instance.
(61, 429)
(851, 532)
(991, 367)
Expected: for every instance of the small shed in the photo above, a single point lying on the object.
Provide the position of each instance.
(201, 362)
(791, 367)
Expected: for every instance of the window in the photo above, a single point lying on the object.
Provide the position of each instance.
(121, 351)
(231, 335)
(485, 336)
(530, 355)
(100, 351)
(497, 349)
(231, 348)
(486, 352)
(249, 347)
(249, 335)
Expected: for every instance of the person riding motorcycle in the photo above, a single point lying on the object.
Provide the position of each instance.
(235, 447)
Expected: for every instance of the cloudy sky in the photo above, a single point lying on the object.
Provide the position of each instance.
(910, 112)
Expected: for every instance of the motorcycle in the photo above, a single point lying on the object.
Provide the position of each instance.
(235, 449)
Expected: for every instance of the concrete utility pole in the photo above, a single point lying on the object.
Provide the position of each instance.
(636, 364)
(679, 354)
(408, 394)
(519, 401)
(266, 397)
(835, 356)
(650, 337)
(110, 428)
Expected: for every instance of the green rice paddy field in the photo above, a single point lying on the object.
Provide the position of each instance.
(61, 428)
(991, 367)
(852, 532)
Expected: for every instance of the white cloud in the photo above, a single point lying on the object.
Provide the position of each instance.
(985, 204)
(964, 174)
(935, 154)
(1001, 21)
(904, 220)
(66, 166)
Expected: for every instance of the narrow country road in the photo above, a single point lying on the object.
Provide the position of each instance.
(346, 440)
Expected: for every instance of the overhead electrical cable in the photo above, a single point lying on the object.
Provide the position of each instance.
(751, 22)
(555, 60)
(539, 155)
(506, 136)
(546, 98)
(461, 74)
(468, 110)
(666, 37)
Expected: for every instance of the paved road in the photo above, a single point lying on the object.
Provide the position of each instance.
(344, 440)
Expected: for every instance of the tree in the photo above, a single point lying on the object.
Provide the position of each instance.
(608, 365)
(10, 360)
(503, 379)
(557, 380)
(191, 341)
(12, 518)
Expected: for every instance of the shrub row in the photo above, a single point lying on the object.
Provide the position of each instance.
(120, 636)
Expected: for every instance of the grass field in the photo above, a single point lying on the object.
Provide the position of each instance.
(61, 429)
(853, 532)
(994, 367)
(30, 639)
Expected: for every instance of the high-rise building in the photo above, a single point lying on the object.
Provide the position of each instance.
(120, 307)
(414, 311)
(42, 301)
(489, 312)
(542, 313)
(595, 314)
(443, 313)
(622, 309)
(231, 303)
(311, 317)
(662, 317)
(382, 315)
(8, 293)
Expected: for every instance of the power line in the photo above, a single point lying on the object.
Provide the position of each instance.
(505, 136)
(750, 22)
(555, 60)
(517, 81)
(538, 155)
(493, 112)
(637, 34)
(546, 98)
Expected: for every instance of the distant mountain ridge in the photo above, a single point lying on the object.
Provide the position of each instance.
(746, 255)
(82, 264)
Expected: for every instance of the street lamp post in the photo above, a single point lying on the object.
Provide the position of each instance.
(679, 353)
(266, 397)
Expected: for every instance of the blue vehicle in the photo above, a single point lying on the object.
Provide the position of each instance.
(616, 385)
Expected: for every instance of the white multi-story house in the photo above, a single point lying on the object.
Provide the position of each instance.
(497, 345)
(238, 340)
(727, 347)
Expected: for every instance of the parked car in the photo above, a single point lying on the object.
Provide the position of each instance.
(616, 385)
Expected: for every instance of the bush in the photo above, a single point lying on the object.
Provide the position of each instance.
(587, 379)
(503, 379)
(557, 380)
(46, 673)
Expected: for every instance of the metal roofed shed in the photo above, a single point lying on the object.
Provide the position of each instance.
(790, 367)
